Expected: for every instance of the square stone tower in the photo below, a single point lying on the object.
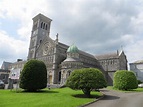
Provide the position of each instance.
(40, 29)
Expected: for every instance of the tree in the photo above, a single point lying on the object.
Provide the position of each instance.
(33, 76)
(124, 80)
(86, 79)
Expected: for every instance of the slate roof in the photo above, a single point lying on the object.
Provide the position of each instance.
(19, 62)
(62, 45)
(3, 70)
(79, 51)
(5, 65)
(107, 56)
(139, 62)
(71, 60)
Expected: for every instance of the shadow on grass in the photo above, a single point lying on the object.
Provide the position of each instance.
(39, 91)
(84, 96)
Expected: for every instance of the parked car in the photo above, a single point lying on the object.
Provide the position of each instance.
(2, 85)
(140, 85)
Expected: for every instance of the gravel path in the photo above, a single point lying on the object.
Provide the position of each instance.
(119, 99)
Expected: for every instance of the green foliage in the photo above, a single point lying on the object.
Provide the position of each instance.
(125, 80)
(33, 76)
(86, 79)
(139, 81)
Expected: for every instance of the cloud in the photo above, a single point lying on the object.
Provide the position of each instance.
(134, 51)
(11, 49)
(95, 26)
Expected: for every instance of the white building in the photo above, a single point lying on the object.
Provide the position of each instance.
(137, 67)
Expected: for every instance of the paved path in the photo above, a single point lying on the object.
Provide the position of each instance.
(119, 99)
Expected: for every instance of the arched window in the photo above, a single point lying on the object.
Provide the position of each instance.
(41, 24)
(44, 26)
(59, 76)
(69, 72)
(40, 41)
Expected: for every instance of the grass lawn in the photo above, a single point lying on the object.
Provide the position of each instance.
(62, 97)
(134, 90)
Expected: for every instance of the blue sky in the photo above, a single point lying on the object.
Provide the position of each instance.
(9, 26)
(95, 26)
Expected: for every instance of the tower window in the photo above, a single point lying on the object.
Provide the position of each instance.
(46, 26)
(41, 24)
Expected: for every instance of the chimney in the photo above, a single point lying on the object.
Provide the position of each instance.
(18, 60)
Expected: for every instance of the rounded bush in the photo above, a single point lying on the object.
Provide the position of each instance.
(125, 80)
(86, 79)
(33, 76)
(139, 81)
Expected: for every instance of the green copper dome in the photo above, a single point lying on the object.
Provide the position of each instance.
(72, 49)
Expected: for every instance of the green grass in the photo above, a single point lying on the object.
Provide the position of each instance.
(63, 97)
(133, 90)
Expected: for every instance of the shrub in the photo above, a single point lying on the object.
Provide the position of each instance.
(33, 76)
(139, 81)
(124, 80)
(86, 79)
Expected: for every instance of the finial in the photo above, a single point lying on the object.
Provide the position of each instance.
(57, 36)
(122, 48)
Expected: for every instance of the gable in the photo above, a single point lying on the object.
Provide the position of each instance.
(46, 47)
(122, 56)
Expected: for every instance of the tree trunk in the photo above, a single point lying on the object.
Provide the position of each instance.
(86, 92)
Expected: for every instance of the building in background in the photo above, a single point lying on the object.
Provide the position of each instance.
(4, 71)
(112, 62)
(137, 67)
(6, 65)
(19, 64)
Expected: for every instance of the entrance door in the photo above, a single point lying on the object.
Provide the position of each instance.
(50, 79)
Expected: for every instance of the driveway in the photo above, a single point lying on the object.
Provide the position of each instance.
(119, 99)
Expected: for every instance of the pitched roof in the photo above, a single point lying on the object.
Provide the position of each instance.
(5, 65)
(107, 56)
(62, 45)
(138, 62)
(71, 60)
(3, 70)
(80, 51)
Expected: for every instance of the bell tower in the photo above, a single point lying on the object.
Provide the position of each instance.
(40, 29)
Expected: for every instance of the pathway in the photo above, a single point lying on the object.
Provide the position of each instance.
(119, 99)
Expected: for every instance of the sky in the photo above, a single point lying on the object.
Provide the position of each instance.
(94, 26)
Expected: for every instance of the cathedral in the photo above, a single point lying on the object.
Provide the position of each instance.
(61, 59)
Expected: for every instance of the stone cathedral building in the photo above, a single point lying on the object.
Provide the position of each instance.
(61, 59)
